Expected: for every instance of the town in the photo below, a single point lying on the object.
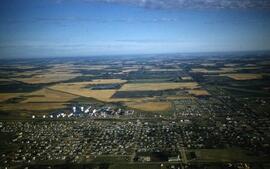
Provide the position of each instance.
(161, 113)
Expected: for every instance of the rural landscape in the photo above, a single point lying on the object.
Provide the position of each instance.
(134, 84)
(154, 112)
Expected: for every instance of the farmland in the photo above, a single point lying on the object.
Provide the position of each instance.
(150, 106)
(158, 109)
(242, 76)
(133, 83)
(80, 88)
(158, 86)
(48, 95)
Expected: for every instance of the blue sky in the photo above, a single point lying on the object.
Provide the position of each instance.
(53, 28)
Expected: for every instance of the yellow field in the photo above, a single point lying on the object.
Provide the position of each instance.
(150, 106)
(40, 100)
(198, 92)
(157, 86)
(6, 96)
(57, 73)
(103, 95)
(80, 90)
(48, 95)
(243, 76)
(224, 69)
(48, 78)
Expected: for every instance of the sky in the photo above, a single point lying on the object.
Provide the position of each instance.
(55, 28)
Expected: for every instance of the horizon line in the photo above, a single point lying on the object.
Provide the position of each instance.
(264, 52)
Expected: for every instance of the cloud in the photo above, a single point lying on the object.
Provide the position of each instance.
(92, 20)
(193, 4)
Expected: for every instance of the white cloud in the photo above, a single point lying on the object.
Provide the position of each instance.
(200, 4)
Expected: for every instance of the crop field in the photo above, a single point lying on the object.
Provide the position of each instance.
(6, 96)
(25, 107)
(80, 89)
(225, 70)
(243, 76)
(37, 101)
(198, 92)
(162, 106)
(48, 77)
(48, 95)
(98, 81)
(146, 93)
(182, 97)
(158, 86)
(145, 86)
(150, 106)
(140, 96)
(91, 67)
(221, 70)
